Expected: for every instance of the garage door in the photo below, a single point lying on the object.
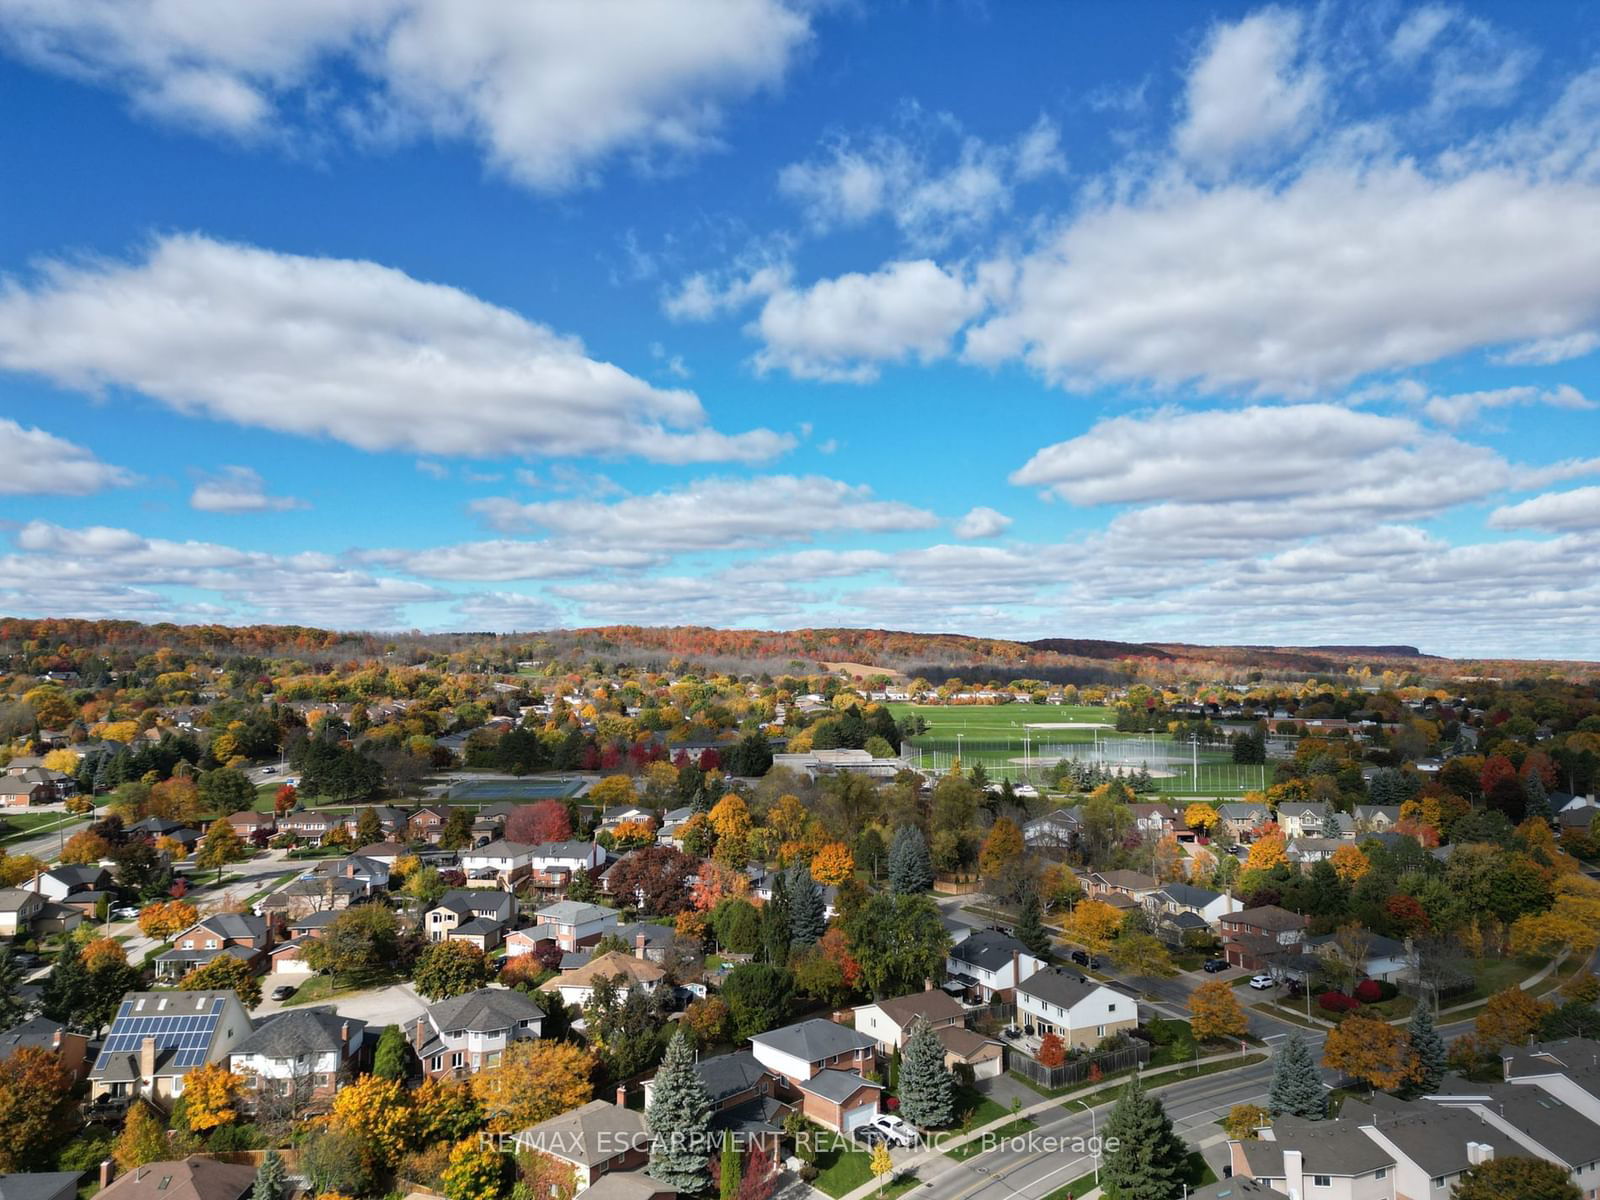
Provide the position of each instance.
(854, 1118)
(987, 1069)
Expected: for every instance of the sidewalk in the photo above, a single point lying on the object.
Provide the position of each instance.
(867, 1190)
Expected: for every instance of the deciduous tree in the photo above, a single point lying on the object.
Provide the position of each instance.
(450, 968)
(1267, 852)
(211, 1093)
(36, 1108)
(1509, 1017)
(224, 973)
(1350, 862)
(833, 864)
(1093, 924)
(143, 1138)
(1215, 1012)
(376, 1114)
(1522, 1178)
(536, 1080)
(1372, 1051)
(476, 1171)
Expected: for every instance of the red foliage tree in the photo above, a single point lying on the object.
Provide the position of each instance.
(1368, 991)
(1407, 914)
(1052, 1053)
(655, 879)
(533, 824)
(710, 760)
(1496, 768)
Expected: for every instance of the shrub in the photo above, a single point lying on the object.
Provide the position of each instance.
(1368, 991)
(1338, 1002)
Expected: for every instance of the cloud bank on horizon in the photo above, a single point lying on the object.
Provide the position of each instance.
(1267, 324)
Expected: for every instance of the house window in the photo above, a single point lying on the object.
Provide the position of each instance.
(1438, 1181)
(1099, 1031)
(1381, 1173)
(457, 1059)
(1321, 1181)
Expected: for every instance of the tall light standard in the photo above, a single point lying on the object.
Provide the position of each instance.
(1094, 1138)
(958, 751)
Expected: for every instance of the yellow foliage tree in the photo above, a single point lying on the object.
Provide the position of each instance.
(1371, 1050)
(1215, 1012)
(1350, 863)
(1266, 853)
(103, 952)
(612, 790)
(377, 1113)
(1201, 817)
(731, 817)
(535, 1081)
(212, 1092)
(1093, 924)
(788, 819)
(166, 919)
(1509, 1017)
(833, 864)
(1001, 848)
(65, 761)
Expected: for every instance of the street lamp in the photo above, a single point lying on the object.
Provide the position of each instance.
(1094, 1138)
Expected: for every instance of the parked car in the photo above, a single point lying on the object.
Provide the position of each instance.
(894, 1130)
(1260, 982)
(1213, 965)
(126, 912)
(283, 991)
(869, 1135)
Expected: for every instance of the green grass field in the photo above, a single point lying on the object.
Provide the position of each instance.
(1002, 719)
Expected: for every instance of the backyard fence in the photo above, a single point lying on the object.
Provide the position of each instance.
(1079, 1070)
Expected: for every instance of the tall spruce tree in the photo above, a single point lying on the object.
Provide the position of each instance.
(1429, 1049)
(927, 1086)
(807, 912)
(66, 992)
(392, 1057)
(776, 927)
(1537, 799)
(910, 864)
(13, 1010)
(679, 1117)
(270, 1178)
(732, 1169)
(1030, 929)
(1296, 1087)
(1150, 1159)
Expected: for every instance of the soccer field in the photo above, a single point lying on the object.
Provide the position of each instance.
(1003, 719)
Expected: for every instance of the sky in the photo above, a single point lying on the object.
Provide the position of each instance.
(1173, 322)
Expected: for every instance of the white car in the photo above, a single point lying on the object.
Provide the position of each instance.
(894, 1130)
(125, 913)
(1262, 981)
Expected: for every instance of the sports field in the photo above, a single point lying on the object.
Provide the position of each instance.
(1022, 741)
(488, 791)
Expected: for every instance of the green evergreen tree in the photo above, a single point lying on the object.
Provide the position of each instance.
(910, 864)
(1296, 1087)
(732, 1170)
(1030, 929)
(1150, 1160)
(1429, 1048)
(270, 1177)
(67, 988)
(392, 1058)
(806, 907)
(12, 1010)
(776, 926)
(927, 1086)
(679, 1117)
(1538, 800)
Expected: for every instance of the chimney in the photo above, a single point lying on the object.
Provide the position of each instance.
(344, 1034)
(147, 1059)
(108, 1168)
(638, 945)
(622, 1095)
(55, 1038)
(420, 1035)
(1479, 1152)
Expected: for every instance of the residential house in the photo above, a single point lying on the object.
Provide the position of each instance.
(387, 853)
(477, 915)
(1382, 957)
(822, 1065)
(306, 824)
(1057, 830)
(393, 821)
(672, 823)
(1325, 1160)
(1306, 852)
(40, 1185)
(427, 823)
(1081, 1012)
(1539, 1123)
(194, 1178)
(1313, 820)
(1238, 1187)
(553, 864)
(1171, 900)
(630, 973)
(1566, 1070)
(651, 941)
(244, 936)
(1376, 818)
(19, 791)
(594, 1140)
(25, 914)
(984, 1056)
(1256, 938)
(298, 1058)
(1155, 820)
(249, 824)
(1124, 889)
(1242, 819)
(368, 874)
(888, 1022)
(988, 965)
(572, 925)
(157, 1038)
(501, 862)
(744, 1094)
(1432, 1146)
(57, 883)
(469, 1033)
(617, 814)
(41, 1033)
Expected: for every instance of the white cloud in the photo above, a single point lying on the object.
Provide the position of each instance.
(1578, 509)
(981, 522)
(42, 464)
(714, 514)
(500, 560)
(1465, 407)
(704, 295)
(506, 612)
(1249, 89)
(1472, 62)
(1340, 272)
(912, 178)
(548, 91)
(239, 490)
(432, 469)
(840, 329)
(345, 349)
(1418, 31)
(1547, 351)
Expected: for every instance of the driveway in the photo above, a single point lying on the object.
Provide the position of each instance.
(397, 1004)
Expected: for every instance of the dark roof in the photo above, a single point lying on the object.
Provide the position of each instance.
(38, 1032)
(837, 1086)
(320, 919)
(40, 1185)
(1327, 1148)
(484, 1010)
(729, 1074)
(987, 949)
(298, 1031)
(814, 1040)
(1267, 916)
(1560, 1129)
(597, 1131)
(1187, 893)
(1432, 1136)
(1056, 986)
(78, 875)
(1237, 1188)
(235, 925)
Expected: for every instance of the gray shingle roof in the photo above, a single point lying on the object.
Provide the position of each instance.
(38, 1032)
(300, 1031)
(40, 1185)
(1327, 1148)
(484, 1010)
(1055, 986)
(1187, 893)
(837, 1086)
(729, 1074)
(814, 1040)
(987, 949)
(587, 1135)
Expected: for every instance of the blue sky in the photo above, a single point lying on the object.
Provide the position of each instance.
(1158, 321)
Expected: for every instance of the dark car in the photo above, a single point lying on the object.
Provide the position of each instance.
(1213, 965)
(283, 991)
(1081, 957)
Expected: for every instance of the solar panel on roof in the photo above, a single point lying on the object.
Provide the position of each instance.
(188, 1034)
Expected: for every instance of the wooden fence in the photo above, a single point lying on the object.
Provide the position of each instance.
(1078, 1070)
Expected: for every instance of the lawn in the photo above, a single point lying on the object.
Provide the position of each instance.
(841, 1171)
(1174, 1043)
(976, 1110)
(990, 1138)
(23, 825)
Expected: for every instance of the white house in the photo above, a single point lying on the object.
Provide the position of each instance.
(498, 859)
(571, 924)
(463, 1034)
(630, 973)
(1081, 1012)
(302, 1053)
(888, 1022)
(989, 965)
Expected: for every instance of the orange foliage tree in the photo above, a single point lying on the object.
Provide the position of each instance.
(1371, 1050)
(833, 864)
